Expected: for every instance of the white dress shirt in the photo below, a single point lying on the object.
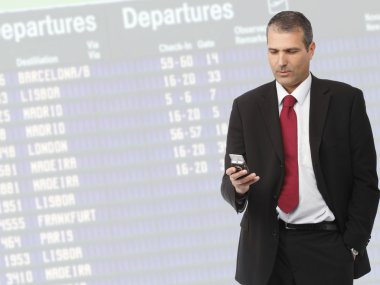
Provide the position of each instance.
(311, 208)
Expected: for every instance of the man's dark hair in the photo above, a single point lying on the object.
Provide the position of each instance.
(289, 21)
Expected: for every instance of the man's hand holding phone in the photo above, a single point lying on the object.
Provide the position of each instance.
(239, 174)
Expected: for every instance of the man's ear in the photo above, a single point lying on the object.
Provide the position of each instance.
(311, 49)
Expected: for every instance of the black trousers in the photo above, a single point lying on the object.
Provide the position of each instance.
(307, 257)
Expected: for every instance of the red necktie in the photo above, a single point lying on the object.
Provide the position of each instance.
(289, 195)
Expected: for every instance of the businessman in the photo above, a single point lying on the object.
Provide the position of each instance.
(312, 194)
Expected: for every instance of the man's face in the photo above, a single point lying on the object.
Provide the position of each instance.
(288, 57)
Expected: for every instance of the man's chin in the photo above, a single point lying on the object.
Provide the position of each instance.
(283, 80)
(287, 84)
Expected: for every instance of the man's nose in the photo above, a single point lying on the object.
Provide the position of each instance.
(282, 60)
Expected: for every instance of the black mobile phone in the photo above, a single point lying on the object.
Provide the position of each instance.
(238, 161)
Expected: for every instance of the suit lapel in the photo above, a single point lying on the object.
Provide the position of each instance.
(319, 103)
(269, 109)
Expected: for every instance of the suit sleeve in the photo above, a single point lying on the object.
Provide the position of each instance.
(235, 145)
(365, 193)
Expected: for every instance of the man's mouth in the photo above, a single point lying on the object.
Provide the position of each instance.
(283, 72)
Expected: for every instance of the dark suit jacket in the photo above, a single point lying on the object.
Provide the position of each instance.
(344, 162)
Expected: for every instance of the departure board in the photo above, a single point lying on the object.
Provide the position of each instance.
(113, 120)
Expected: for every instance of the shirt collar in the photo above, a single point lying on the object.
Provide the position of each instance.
(299, 93)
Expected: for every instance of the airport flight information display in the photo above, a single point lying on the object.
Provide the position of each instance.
(113, 119)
